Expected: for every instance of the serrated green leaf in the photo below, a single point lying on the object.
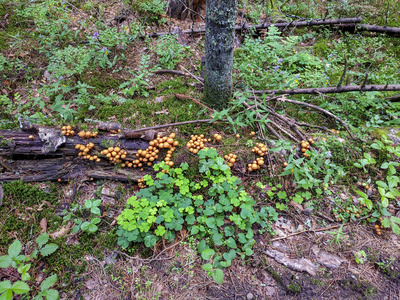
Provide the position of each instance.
(42, 239)
(8, 295)
(5, 261)
(48, 249)
(5, 285)
(26, 277)
(20, 287)
(15, 248)
(51, 294)
(218, 276)
(207, 253)
(48, 282)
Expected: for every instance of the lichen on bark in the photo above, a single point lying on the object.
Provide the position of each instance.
(220, 33)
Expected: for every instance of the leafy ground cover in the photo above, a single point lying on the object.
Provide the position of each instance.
(204, 222)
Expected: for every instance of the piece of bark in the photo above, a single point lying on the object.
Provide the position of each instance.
(109, 126)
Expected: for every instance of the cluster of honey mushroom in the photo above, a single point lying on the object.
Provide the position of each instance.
(146, 157)
(261, 150)
(217, 137)
(84, 152)
(87, 134)
(306, 146)
(196, 143)
(141, 183)
(114, 154)
(67, 130)
(231, 159)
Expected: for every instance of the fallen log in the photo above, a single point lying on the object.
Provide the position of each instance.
(330, 90)
(370, 28)
(36, 157)
(265, 26)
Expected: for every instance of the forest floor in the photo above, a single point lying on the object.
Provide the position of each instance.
(311, 254)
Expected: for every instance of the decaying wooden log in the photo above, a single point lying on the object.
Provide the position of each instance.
(30, 156)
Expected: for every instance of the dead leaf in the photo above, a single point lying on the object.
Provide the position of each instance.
(296, 205)
(162, 112)
(159, 99)
(43, 224)
(63, 231)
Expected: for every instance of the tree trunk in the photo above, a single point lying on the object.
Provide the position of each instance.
(220, 30)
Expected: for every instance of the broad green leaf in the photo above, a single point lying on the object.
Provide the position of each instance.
(231, 243)
(24, 268)
(207, 267)
(5, 261)
(42, 239)
(229, 230)
(395, 220)
(231, 255)
(385, 202)
(95, 221)
(85, 226)
(95, 210)
(207, 253)
(218, 276)
(226, 263)
(386, 223)
(4, 286)
(51, 294)
(92, 228)
(20, 287)
(201, 246)
(15, 248)
(362, 194)
(210, 222)
(26, 277)
(396, 228)
(8, 295)
(217, 238)
(48, 282)
(48, 249)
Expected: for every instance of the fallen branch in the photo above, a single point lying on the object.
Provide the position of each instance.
(308, 230)
(330, 90)
(180, 97)
(371, 28)
(284, 99)
(265, 26)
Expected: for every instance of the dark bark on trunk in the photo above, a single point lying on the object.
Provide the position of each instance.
(329, 90)
(220, 30)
